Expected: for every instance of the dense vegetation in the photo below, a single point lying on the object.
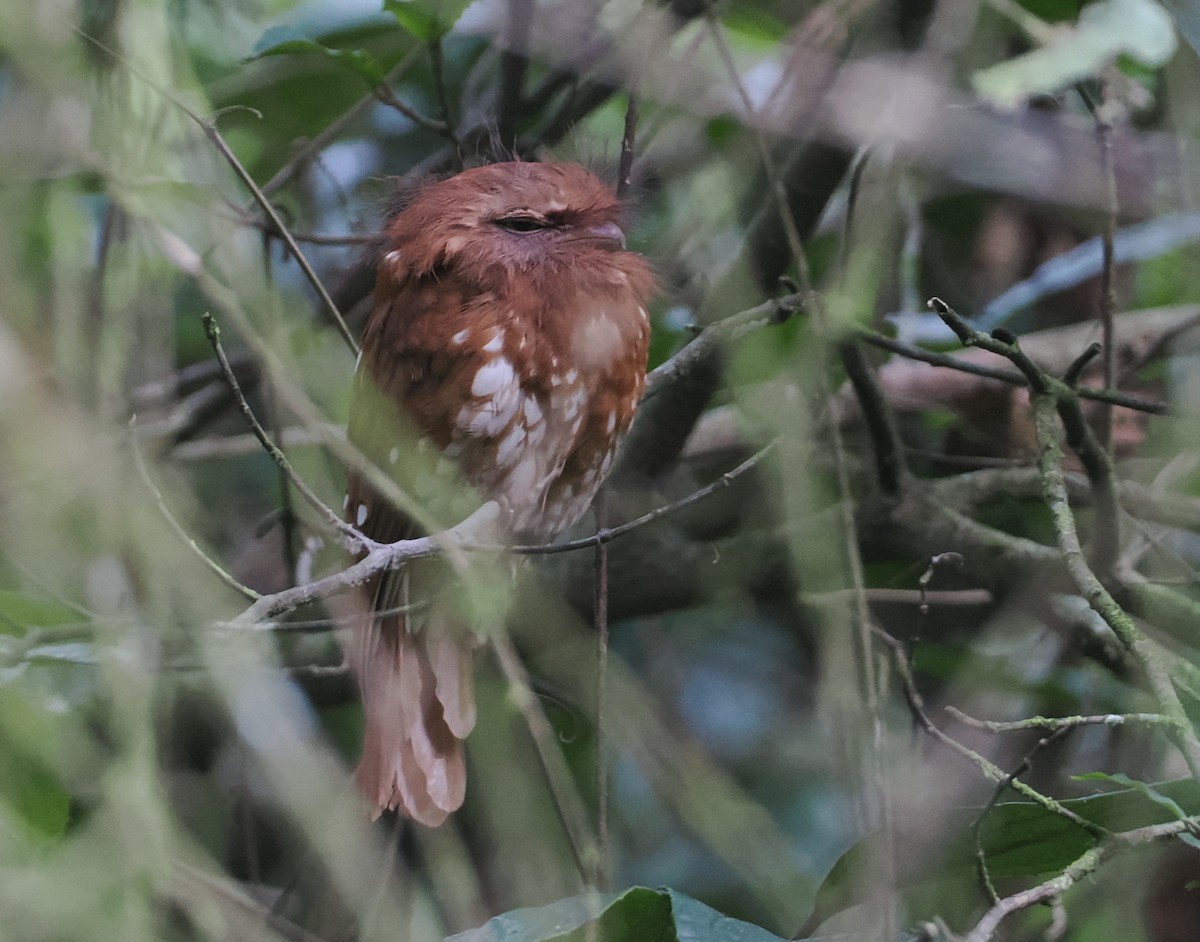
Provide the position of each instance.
(912, 652)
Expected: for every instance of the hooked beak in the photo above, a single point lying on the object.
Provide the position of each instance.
(608, 234)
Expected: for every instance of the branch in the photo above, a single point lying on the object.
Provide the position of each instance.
(1061, 394)
(1090, 587)
(140, 462)
(385, 94)
(990, 770)
(567, 801)
(1053, 398)
(382, 557)
(1108, 301)
(1083, 866)
(379, 558)
(1059, 722)
(880, 420)
(353, 540)
(314, 145)
(628, 138)
(715, 336)
(1011, 377)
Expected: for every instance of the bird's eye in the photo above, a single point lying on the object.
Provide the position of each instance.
(523, 222)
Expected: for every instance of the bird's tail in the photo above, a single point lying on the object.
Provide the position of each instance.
(419, 704)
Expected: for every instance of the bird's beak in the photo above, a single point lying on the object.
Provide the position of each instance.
(609, 234)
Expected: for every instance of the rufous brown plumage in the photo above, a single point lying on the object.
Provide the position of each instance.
(507, 347)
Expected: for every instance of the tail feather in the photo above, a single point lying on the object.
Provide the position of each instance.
(418, 701)
(454, 683)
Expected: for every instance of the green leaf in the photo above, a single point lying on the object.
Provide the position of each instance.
(31, 793)
(1120, 778)
(1020, 839)
(1140, 29)
(20, 612)
(286, 40)
(427, 21)
(637, 915)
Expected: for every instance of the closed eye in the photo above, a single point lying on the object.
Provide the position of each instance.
(524, 222)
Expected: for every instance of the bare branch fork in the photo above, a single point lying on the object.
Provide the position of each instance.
(382, 557)
(1079, 869)
(1011, 377)
(1053, 400)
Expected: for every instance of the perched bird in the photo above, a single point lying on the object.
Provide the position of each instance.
(507, 341)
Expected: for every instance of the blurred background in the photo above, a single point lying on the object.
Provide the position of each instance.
(780, 648)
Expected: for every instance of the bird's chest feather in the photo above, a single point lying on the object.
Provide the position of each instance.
(526, 389)
(549, 400)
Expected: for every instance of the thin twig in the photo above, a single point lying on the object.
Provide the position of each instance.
(1159, 347)
(192, 374)
(1108, 301)
(352, 538)
(990, 770)
(385, 94)
(175, 525)
(1013, 378)
(239, 446)
(287, 518)
(246, 218)
(314, 145)
(628, 141)
(985, 877)
(280, 230)
(514, 63)
(600, 620)
(1059, 722)
(582, 101)
(214, 136)
(437, 63)
(609, 534)
(243, 916)
(567, 801)
(890, 471)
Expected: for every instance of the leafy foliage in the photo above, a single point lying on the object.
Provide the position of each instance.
(174, 767)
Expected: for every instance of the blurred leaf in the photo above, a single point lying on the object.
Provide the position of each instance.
(1148, 790)
(755, 25)
(1141, 29)
(1187, 20)
(77, 652)
(427, 21)
(19, 613)
(1054, 11)
(286, 40)
(30, 792)
(1020, 839)
(637, 915)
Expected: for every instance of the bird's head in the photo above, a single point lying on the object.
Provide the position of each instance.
(516, 216)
